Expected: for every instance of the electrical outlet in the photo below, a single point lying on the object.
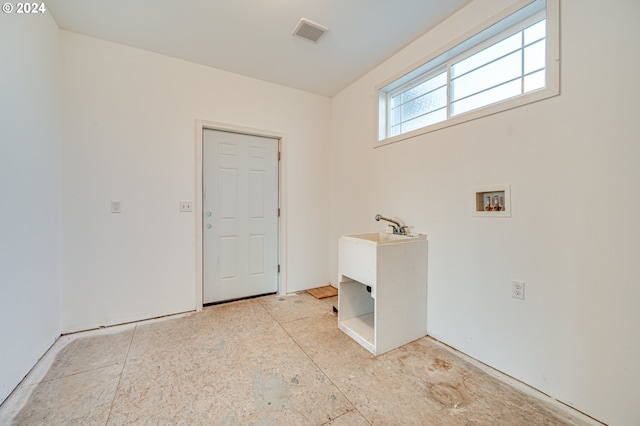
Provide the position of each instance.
(116, 206)
(186, 206)
(517, 289)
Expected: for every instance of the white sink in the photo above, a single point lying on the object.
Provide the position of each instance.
(383, 289)
(384, 237)
(363, 257)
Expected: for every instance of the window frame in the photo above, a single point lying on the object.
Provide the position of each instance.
(464, 47)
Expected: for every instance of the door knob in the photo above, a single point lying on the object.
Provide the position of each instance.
(208, 226)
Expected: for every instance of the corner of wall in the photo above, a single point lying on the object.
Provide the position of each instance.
(30, 181)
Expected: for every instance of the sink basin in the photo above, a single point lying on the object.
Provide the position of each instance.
(384, 238)
(363, 256)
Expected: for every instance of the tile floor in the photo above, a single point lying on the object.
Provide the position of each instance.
(274, 360)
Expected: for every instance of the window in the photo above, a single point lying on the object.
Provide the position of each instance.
(501, 67)
(510, 67)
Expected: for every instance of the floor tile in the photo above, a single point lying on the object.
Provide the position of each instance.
(350, 418)
(240, 368)
(275, 360)
(89, 353)
(83, 399)
(297, 306)
(419, 383)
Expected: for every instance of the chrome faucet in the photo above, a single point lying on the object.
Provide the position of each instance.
(397, 228)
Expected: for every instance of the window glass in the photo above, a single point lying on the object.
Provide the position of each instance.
(534, 57)
(411, 108)
(487, 97)
(534, 81)
(535, 32)
(424, 120)
(487, 76)
(487, 55)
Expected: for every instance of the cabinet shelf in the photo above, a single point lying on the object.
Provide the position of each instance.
(361, 330)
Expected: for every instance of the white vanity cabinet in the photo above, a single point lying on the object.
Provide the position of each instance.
(382, 299)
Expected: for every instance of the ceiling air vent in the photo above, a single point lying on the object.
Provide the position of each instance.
(309, 30)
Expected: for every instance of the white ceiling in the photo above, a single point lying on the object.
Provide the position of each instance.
(253, 37)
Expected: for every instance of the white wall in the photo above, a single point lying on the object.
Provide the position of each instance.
(30, 193)
(574, 237)
(129, 134)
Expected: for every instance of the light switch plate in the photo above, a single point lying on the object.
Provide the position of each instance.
(116, 206)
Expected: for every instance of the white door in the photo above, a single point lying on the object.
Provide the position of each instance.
(240, 215)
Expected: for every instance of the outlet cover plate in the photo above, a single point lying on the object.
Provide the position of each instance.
(517, 289)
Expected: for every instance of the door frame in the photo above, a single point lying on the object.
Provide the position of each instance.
(201, 126)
